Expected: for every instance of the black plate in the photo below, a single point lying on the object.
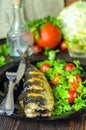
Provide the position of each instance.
(12, 67)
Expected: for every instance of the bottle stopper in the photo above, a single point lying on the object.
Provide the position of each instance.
(16, 2)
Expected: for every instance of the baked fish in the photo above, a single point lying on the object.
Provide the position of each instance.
(36, 99)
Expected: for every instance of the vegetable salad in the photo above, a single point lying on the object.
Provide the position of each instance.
(68, 85)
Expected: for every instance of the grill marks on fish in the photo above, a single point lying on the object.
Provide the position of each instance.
(37, 99)
(36, 74)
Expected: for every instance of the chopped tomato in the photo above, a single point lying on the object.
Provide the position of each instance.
(72, 89)
(78, 78)
(50, 36)
(74, 85)
(69, 66)
(55, 81)
(44, 67)
(71, 97)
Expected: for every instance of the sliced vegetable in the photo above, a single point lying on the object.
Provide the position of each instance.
(78, 78)
(56, 80)
(74, 85)
(72, 96)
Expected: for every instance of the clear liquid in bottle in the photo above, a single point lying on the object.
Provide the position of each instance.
(19, 37)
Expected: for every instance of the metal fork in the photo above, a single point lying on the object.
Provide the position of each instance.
(4, 106)
(10, 103)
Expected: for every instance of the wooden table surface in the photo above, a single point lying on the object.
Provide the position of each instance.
(7, 123)
(76, 123)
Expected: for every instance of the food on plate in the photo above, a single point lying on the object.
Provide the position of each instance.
(44, 67)
(56, 78)
(36, 99)
(69, 66)
(67, 83)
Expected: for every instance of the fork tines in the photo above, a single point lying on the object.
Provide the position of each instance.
(11, 76)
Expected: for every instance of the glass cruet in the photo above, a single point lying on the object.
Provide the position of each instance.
(18, 37)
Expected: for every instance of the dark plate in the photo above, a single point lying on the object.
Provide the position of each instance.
(17, 90)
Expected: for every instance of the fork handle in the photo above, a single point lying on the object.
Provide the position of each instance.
(9, 106)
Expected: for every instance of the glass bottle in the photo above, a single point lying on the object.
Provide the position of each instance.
(18, 37)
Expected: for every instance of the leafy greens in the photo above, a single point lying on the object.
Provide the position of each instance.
(60, 91)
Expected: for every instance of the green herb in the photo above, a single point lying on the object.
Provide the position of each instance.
(37, 24)
(60, 91)
(3, 54)
(2, 60)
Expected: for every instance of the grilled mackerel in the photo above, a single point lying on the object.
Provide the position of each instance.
(36, 99)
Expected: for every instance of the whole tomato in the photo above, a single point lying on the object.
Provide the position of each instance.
(36, 49)
(44, 67)
(50, 36)
(69, 66)
(63, 46)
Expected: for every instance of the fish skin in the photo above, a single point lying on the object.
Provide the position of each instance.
(37, 99)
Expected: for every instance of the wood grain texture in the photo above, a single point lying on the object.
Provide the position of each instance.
(68, 2)
(7, 123)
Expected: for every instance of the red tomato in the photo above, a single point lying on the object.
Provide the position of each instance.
(71, 97)
(55, 81)
(72, 89)
(44, 67)
(63, 45)
(50, 36)
(69, 66)
(78, 78)
(74, 85)
(36, 49)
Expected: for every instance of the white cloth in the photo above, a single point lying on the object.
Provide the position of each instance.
(32, 9)
(42, 8)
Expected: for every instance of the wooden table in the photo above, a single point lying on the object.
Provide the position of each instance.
(77, 123)
(7, 123)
